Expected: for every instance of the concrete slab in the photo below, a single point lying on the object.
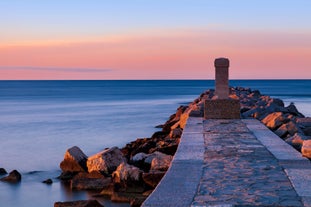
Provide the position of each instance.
(301, 180)
(178, 186)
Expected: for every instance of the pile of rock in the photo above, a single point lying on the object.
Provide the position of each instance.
(131, 173)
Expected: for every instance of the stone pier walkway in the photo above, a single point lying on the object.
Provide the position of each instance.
(233, 163)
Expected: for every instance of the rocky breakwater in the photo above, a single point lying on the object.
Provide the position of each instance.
(131, 173)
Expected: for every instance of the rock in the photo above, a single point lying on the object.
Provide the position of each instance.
(307, 131)
(304, 122)
(169, 150)
(274, 120)
(139, 157)
(251, 112)
(288, 128)
(65, 176)
(89, 181)
(153, 178)
(146, 146)
(121, 197)
(106, 161)
(81, 203)
(176, 133)
(293, 110)
(137, 201)
(277, 101)
(48, 181)
(282, 131)
(127, 176)
(13, 177)
(161, 162)
(3, 171)
(74, 160)
(306, 148)
(107, 190)
(159, 135)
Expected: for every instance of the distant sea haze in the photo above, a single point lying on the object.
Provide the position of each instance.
(39, 120)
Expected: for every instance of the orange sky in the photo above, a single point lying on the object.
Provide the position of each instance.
(171, 54)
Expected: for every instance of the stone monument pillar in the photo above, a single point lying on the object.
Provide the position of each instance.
(222, 78)
(222, 107)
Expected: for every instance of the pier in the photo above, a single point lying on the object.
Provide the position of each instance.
(225, 161)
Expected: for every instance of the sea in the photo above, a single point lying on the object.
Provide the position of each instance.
(40, 120)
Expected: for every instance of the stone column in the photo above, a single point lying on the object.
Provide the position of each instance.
(222, 78)
(222, 107)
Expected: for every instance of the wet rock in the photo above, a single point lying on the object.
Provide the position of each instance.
(3, 171)
(106, 161)
(89, 181)
(81, 203)
(153, 178)
(48, 181)
(74, 160)
(13, 177)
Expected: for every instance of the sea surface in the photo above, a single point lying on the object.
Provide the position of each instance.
(39, 120)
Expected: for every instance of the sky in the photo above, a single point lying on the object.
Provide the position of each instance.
(154, 39)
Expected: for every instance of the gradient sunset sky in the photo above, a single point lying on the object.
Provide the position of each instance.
(154, 39)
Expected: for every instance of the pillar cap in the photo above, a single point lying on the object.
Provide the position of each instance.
(221, 62)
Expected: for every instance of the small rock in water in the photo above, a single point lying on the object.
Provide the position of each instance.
(3, 171)
(48, 181)
(13, 177)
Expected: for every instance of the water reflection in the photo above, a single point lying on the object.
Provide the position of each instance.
(32, 192)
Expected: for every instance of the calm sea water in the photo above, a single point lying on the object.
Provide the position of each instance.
(39, 120)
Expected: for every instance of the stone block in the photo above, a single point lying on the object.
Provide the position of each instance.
(222, 109)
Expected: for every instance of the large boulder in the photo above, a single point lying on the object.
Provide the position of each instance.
(89, 181)
(306, 148)
(87, 203)
(106, 161)
(274, 120)
(161, 162)
(74, 160)
(13, 177)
